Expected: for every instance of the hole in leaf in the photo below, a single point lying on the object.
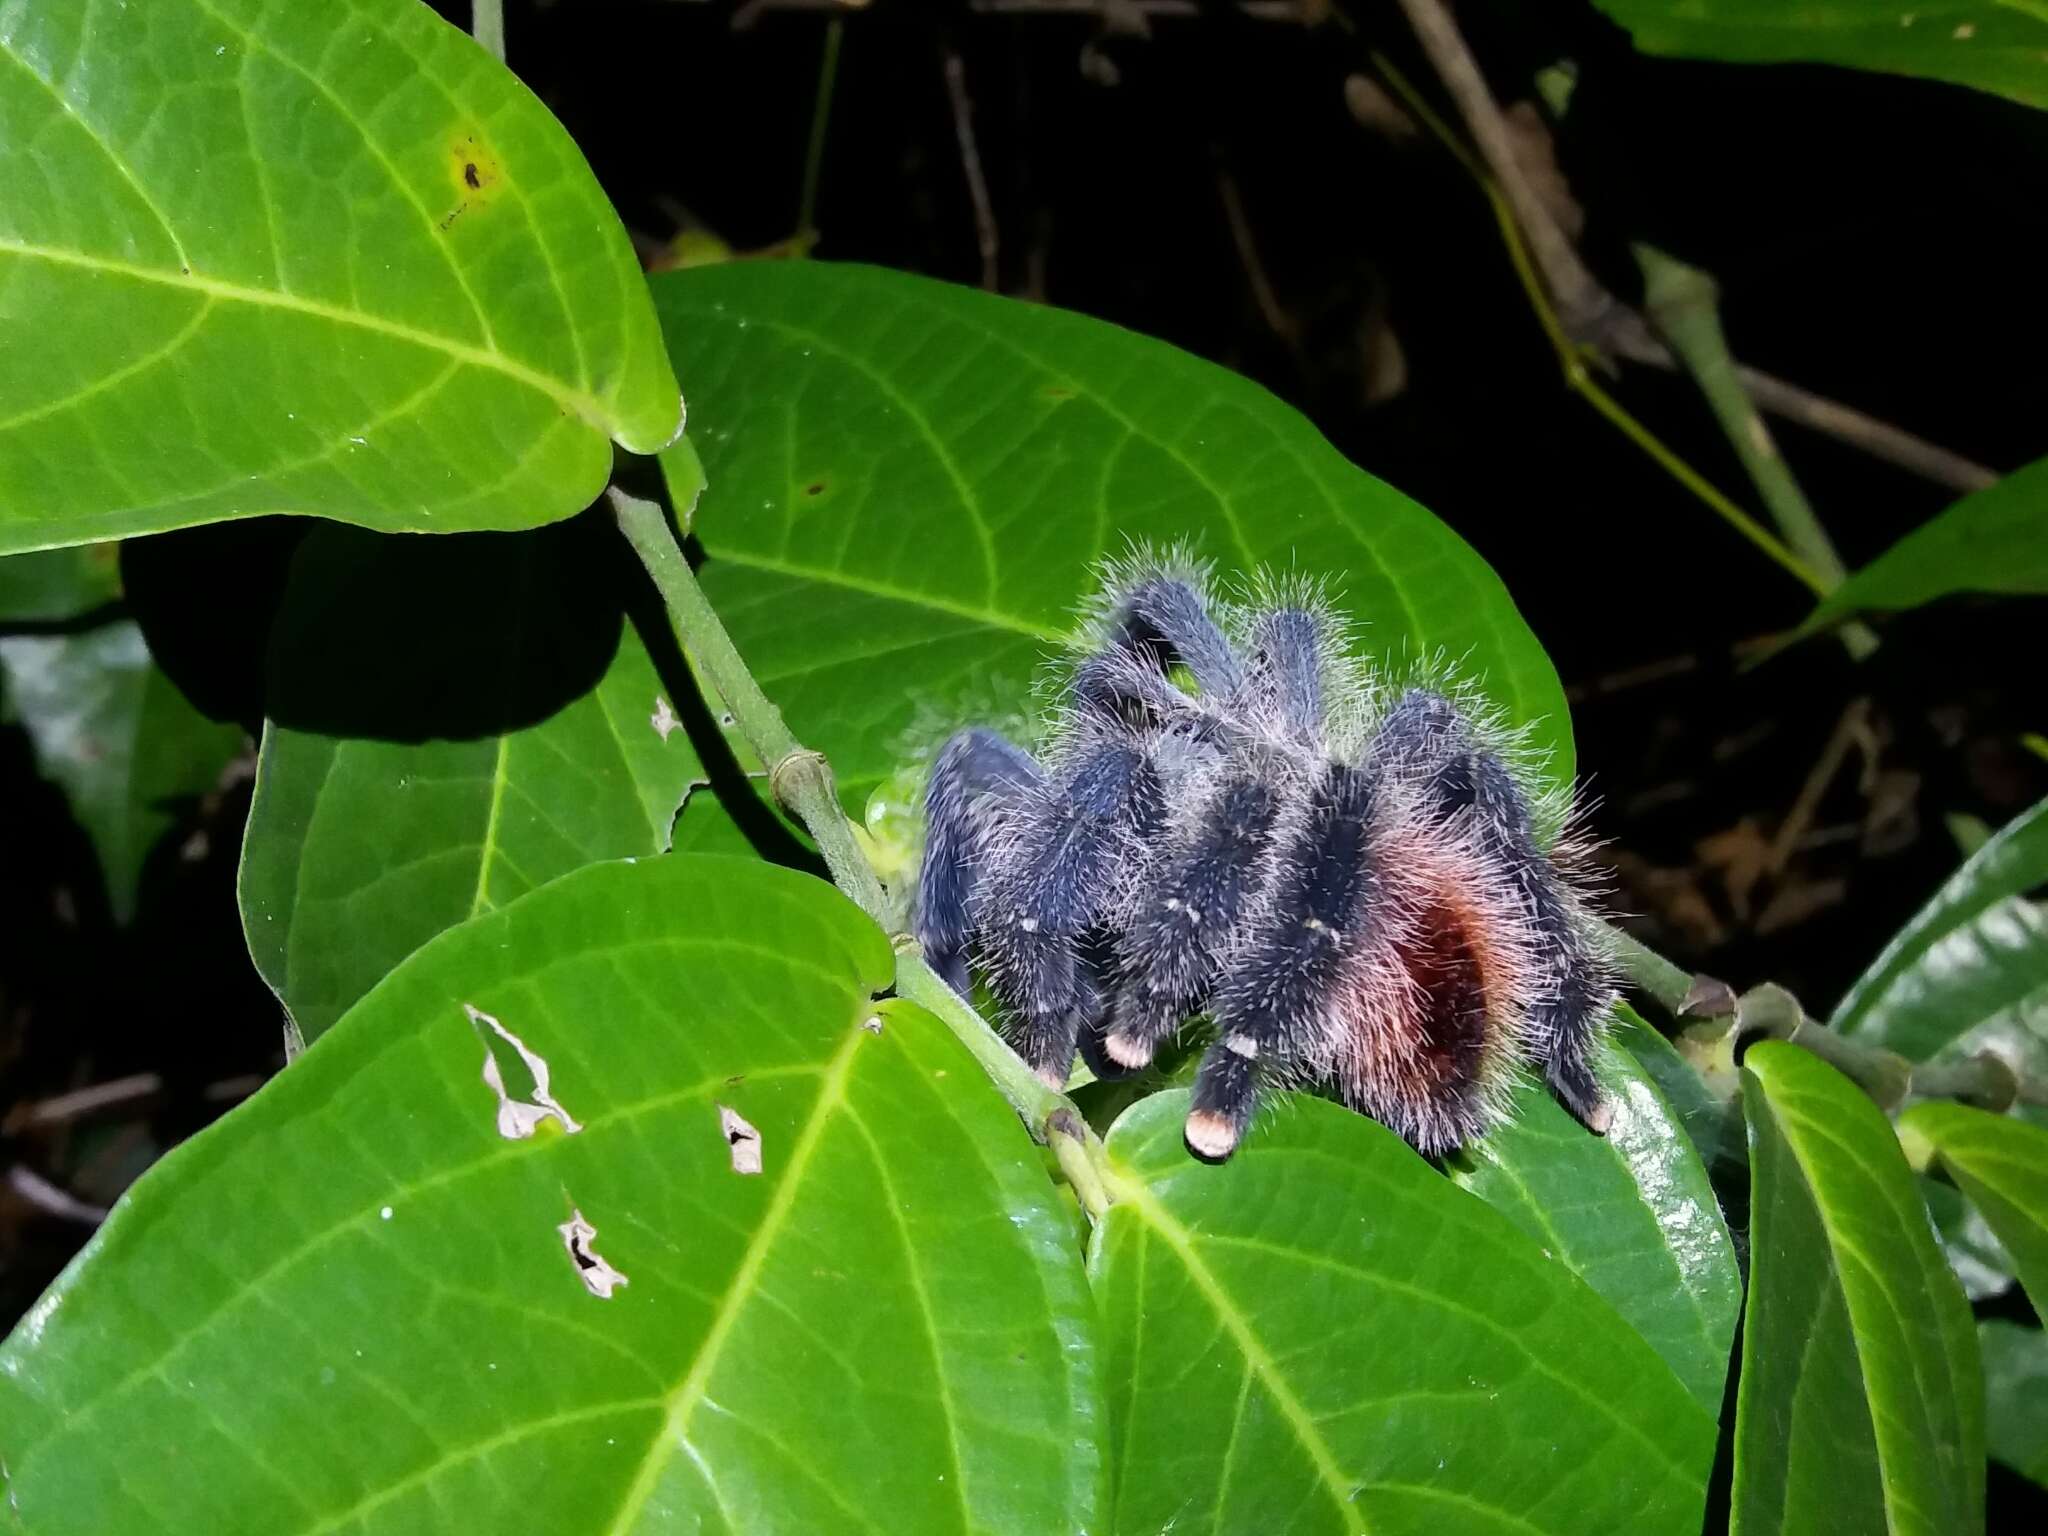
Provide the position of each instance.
(598, 1276)
(519, 1077)
(743, 1140)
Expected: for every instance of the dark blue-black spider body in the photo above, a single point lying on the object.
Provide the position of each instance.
(1232, 816)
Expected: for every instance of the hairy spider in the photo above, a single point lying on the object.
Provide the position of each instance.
(1231, 814)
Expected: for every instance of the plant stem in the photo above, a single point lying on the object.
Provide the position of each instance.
(487, 26)
(1670, 984)
(1683, 301)
(814, 153)
(802, 780)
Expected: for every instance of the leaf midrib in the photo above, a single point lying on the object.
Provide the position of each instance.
(578, 403)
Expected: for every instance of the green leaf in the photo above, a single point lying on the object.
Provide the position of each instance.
(1631, 1213)
(910, 485)
(109, 728)
(1324, 1335)
(54, 585)
(1978, 1259)
(1713, 1121)
(2002, 1165)
(1970, 970)
(1992, 45)
(453, 722)
(2016, 1396)
(1990, 541)
(322, 259)
(356, 1305)
(1861, 1404)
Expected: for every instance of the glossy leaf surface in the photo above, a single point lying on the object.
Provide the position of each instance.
(1970, 970)
(323, 259)
(1713, 1122)
(1631, 1213)
(2002, 1165)
(1983, 43)
(117, 736)
(453, 722)
(1326, 1335)
(1990, 541)
(356, 1305)
(2016, 1396)
(911, 483)
(1861, 1402)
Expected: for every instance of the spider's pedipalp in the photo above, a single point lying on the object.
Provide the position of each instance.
(1054, 871)
(978, 774)
(1182, 925)
(1276, 1007)
(1160, 609)
(1288, 659)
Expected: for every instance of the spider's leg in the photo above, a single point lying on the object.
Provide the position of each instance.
(1571, 992)
(1182, 922)
(1280, 1001)
(1285, 672)
(1052, 881)
(1164, 617)
(976, 776)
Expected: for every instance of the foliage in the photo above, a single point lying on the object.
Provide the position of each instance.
(626, 1188)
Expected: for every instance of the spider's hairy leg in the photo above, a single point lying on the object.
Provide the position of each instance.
(1185, 918)
(1289, 646)
(1570, 991)
(1276, 1007)
(1160, 612)
(1053, 874)
(977, 776)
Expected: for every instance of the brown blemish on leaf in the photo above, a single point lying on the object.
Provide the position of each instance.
(473, 171)
(815, 488)
(599, 1278)
(743, 1140)
(1058, 392)
(520, 1113)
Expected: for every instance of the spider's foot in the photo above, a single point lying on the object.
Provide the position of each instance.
(1131, 1052)
(1226, 1088)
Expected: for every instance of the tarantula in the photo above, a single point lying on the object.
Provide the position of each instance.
(1231, 815)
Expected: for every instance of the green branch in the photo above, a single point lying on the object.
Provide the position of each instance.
(802, 781)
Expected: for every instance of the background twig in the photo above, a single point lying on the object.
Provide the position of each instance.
(970, 161)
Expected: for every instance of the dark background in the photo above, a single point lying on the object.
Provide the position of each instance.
(1879, 240)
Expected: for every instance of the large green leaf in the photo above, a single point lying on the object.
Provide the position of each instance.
(356, 1305)
(452, 723)
(323, 258)
(2002, 1165)
(54, 585)
(1993, 540)
(910, 483)
(1970, 970)
(1631, 1213)
(1324, 1335)
(1713, 1120)
(1861, 1404)
(2016, 1396)
(1994, 45)
(116, 734)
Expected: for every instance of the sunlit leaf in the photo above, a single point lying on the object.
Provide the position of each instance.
(1326, 1335)
(327, 258)
(1861, 1402)
(452, 723)
(130, 754)
(1988, 44)
(356, 1305)
(1631, 1213)
(2002, 1165)
(910, 484)
(1990, 541)
(1970, 970)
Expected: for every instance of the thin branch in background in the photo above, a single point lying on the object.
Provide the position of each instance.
(51, 1200)
(814, 152)
(1682, 301)
(970, 160)
(487, 26)
(1275, 315)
